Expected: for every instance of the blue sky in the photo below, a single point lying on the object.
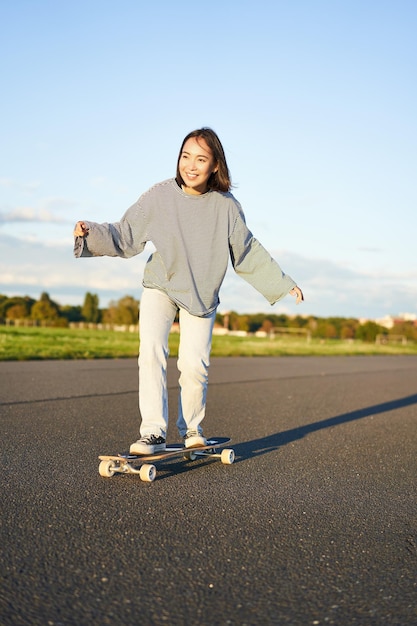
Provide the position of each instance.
(315, 103)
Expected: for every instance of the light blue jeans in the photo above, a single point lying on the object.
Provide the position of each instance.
(157, 313)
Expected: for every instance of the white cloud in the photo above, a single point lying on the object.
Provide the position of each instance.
(48, 211)
(29, 214)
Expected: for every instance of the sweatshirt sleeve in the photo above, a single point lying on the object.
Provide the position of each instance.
(254, 264)
(124, 239)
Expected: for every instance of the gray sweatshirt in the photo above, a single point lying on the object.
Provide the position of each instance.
(194, 237)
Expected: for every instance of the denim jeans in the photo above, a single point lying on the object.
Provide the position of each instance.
(157, 313)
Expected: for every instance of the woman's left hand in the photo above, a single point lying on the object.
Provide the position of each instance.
(298, 294)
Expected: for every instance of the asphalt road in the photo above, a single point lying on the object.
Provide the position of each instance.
(314, 524)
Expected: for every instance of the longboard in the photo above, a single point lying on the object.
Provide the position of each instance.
(143, 464)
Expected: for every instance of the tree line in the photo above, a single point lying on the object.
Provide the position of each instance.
(47, 312)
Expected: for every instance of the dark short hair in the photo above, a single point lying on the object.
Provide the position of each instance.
(220, 180)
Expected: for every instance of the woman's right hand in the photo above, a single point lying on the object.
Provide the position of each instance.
(81, 229)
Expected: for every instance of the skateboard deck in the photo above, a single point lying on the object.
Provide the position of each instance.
(126, 463)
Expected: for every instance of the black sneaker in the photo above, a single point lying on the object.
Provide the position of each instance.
(148, 444)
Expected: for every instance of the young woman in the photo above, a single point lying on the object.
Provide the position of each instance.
(196, 225)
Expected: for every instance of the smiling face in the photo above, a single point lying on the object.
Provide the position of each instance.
(196, 164)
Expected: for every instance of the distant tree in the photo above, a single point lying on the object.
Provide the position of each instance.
(220, 319)
(369, 331)
(17, 307)
(330, 331)
(267, 325)
(232, 320)
(255, 322)
(299, 321)
(348, 328)
(347, 331)
(242, 323)
(16, 312)
(325, 329)
(406, 329)
(90, 310)
(124, 311)
(45, 309)
(3, 302)
(336, 323)
(71, 313)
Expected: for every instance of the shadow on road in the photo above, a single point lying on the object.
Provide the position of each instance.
(263, 445)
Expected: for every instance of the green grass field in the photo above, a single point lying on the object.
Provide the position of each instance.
(35, 343)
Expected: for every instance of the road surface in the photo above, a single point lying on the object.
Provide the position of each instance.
(314, 524)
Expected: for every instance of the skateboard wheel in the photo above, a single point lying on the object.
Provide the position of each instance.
(107, 468)
(147, 473)
(190, 456)
(227, 456)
